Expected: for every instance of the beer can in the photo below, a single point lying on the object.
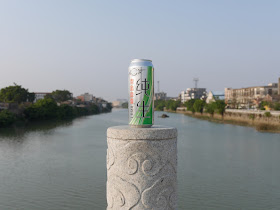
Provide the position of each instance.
(141, 93)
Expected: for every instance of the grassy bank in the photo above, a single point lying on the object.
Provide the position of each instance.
(262, 124)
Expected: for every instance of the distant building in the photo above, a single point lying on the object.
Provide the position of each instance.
(251, 97)
(118, 103)
(160, 96)
(86, 97)
(171, 98)
(40, 95)
(213, 96)
(193, 93)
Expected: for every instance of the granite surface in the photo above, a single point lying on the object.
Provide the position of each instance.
(156, 132)
(141, 168)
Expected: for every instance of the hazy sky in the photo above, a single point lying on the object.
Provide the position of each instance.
(86, 46)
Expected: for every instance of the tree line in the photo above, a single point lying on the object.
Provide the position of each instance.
(193, 105)
(43, 109)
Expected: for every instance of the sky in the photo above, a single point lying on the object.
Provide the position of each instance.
(86, 46)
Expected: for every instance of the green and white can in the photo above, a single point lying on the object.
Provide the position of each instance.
(141, 93)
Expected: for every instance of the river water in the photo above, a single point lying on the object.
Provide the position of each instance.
(63, 165)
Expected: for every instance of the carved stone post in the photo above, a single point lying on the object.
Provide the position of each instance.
(141, 168)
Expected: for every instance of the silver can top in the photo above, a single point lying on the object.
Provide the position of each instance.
(140, 60)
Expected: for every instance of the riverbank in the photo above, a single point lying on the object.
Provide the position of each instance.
(48, 110)
(261, 122)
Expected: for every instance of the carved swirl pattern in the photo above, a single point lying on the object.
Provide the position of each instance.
(141, 175)
(121, 194)
(110, 158)
(161, 195)
(148, 162)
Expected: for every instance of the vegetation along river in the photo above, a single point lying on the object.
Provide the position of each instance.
(63, 165)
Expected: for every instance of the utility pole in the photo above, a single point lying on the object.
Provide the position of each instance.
(195, 82)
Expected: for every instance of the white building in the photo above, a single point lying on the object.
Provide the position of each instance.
(193, 93)
(40, 95)
(118, 103)
(213, 96)
(88, 97)
(250, 97)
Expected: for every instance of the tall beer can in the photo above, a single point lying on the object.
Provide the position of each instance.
(141, 93)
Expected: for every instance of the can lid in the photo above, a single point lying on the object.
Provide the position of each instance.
(139, 60)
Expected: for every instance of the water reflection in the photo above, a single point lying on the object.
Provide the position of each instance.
(19, 132)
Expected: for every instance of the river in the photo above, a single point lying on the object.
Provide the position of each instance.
(63, 165)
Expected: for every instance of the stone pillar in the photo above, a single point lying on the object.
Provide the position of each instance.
(141, 168)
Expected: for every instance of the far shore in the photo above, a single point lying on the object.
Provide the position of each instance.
(261, 123)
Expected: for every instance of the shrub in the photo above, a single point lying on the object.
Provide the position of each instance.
(277, 106)
(267, 114)
(93, 109)
(7, 118)
(42, 109)
(66, 112)
(251, 116)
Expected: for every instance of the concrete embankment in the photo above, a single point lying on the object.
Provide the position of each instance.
(261, 120)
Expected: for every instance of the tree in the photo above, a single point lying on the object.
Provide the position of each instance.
(31, 97)
(210, 108)
(220, 106)
(172, 105)
(159, 105)
(16, 94)
(198, 105)
(60, 95)
(189, 104)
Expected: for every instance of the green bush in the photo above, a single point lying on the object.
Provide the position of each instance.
(93, 109)
(66, 112)
(42, 109)
(267, 114)
(277, 106)
(7, 118)
(251, 116)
